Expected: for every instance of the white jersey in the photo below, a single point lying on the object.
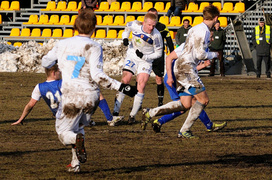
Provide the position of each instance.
(150, 45)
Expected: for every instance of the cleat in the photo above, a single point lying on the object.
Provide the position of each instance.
(145, 118)
(187, 135)
(131, 120)
(160, 104)
(92, 123)
(156, 125)
(160, 98)
(115, 120)
(217, 127)
(115, 114)
(80, 149)
(73, 169)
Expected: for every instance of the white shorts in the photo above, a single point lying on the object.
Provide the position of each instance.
(137, 66)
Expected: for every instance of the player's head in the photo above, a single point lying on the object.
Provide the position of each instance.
(186, 23)
(53, 72)
(211, 13)
(153, 11)
(85, 22)
(149, 23)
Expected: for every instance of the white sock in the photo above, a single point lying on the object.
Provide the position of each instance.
(173, 106)
(138, 100)
(192, 116)
(119, 98)
(74, 161)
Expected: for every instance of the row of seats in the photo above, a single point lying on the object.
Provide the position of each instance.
(53, 20)
(228, 7)
(6, 6)
(62, 6)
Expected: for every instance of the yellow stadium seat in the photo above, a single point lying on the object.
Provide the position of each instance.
(118, 20)
(15, 32)
(100, 33)
(73, 19)
(33, 19)
(112, 33)
(36, 32)
(120, 34)
(159, 6)
(64, 20)
(223, 21)
(175, 21)
(130, 35)
(140, 18)
(68, 33)
(187, 17)
(4, 5)
(76, 33)
(107, 20)
(172, 34)
(164, 20)
(192, 7)
(40, 44)
(167, 6)
(239, 7)
(202, 6)
(25, 32)
(9, 43)
(57, 33)
(0, 19)
(43, 19)
(17, 44)
(125, 6)
(61, 6)
(227, 7)
(98, 19)
(115, 6)
(54, 19)
(104, 6)
(93, 35)
(51, 5)
(218, 5)
(79, 5)
(197, 20)
(15, 5)
(129, 18)
(72, 6)
(136, 6)
(146, 6)
(46, 32)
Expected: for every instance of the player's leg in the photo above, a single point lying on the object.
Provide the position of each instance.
(158, 69)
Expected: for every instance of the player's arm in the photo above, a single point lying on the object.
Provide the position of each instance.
(126, 33)
(158, 47)
(199, 42)
(50, 58)
(203, 64)
(168, 39)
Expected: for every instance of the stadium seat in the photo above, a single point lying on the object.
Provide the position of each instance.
(227, 7)
(98, 19)
(36, 32)
(57, 33)
(17, 44)
(64, 20)
(192, 7)
(93, 35)
(130, 35)
(197, 20)
(100, 33)
(46, 32)
(54, 19)
(33, 19)
(51, 5)
(115, 6)
(73, 19)
(15, 32)
(175, 21)
(104, 6)
(125, 6)
(107, 20)
(159, 6)
(72, 6)
(43, 19)
(120, 34)
(218, 5)
(129, 19)
(9, 43)
(164, 20)
(4, 5)
(223, 21)
(118, 20)
(76, 32)
(40, 44)
(61, 6)
(147, 6)
(167, 6)
(136, 6)
(172, 34)
(0, 19)
(239, 7)
(187, 17)
(25, 32)
(140, 18)
(79, 5)
(15, 5)
(112, 33)
(202, 6)
(68, 33)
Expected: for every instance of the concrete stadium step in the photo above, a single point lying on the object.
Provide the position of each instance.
(43, 6)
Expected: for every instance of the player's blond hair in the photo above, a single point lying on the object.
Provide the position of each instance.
(150, 16)
(54, 68)
(210, 12)
(85, 22)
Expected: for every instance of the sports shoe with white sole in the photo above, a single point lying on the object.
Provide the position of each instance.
(75, 169)
(217, 127)
(187, 135)
(145, 118)
(156, 125)
(80, 149)
(131, 120)
(115, 120)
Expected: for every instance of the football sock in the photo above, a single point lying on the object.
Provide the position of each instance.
(119, 98)
(105, 109)
(138, 100)
(74, 161)
(168, 117)
(205, 119)
(160, 92)
(173, 106)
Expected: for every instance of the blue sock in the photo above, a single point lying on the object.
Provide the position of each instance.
(105, 108)
(169, 117)
(205, 119)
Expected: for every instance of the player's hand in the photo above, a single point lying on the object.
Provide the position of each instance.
(125, 42)
(128, 89)
(17, 122)
(170, 81)
(207, 63)
(139, 53)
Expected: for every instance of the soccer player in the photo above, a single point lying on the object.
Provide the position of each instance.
(80, 60)
(189, 83)
(146, 46)
(158, 64)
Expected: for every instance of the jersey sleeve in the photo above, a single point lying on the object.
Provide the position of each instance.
(50, 58)
(36, 94)
(158, 46)
(127, 30)
(179, 49)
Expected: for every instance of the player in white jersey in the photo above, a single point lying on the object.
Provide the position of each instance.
(146, 46)
(80, 60)
(185, 71)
